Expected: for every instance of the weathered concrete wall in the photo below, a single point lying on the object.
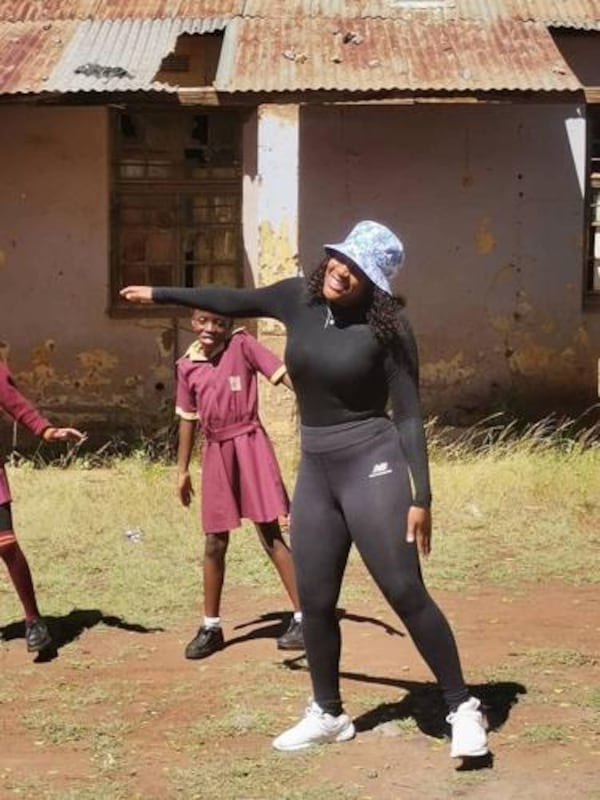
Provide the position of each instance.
(488, 200)
(270, 230)
(67, 353)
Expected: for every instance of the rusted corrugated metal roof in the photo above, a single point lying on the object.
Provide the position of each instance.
(28, 53)
(278, 55)
(92, 56)
(45, 10)
(582, 14)
(121, 56)
(418, 52)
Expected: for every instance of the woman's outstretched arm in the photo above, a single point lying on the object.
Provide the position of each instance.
(269, 301)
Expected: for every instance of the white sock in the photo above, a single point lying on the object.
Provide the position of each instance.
(297, 616)
(212, 622)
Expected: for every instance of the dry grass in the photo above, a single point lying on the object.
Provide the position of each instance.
(512, 507)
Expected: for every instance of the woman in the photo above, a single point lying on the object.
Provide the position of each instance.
(363, 479)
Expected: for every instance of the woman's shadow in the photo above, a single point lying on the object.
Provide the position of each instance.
(69, 627)
(423, 702)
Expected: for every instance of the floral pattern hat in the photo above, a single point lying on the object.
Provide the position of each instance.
(375, 250)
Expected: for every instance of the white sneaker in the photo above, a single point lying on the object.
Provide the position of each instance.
(469, 730)
(316, 727)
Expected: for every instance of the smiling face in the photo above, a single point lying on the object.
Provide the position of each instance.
(343, 282)
(212, 330)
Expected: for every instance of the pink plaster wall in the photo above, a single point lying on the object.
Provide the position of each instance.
(487, 201)
(68, 354)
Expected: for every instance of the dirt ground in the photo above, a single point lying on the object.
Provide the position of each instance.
(532, 657)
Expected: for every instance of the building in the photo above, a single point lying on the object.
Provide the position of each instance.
(158, 141)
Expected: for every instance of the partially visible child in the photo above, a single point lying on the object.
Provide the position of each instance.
(217, 392)
(21, 410)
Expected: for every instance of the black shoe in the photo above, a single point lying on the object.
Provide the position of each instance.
(206, 642)
(37, 636)
(293, 638)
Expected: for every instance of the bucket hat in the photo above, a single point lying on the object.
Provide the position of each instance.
(375, 250)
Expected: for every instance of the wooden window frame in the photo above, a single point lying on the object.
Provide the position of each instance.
(182, 195)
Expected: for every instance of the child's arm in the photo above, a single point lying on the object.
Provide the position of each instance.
(285, 379)
(265, 361)
(185, 445)
(25, 413)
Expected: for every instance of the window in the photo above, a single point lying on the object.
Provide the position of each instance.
(593, 194)
(176, 199)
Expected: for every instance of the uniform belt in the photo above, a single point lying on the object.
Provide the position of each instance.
(230, 431)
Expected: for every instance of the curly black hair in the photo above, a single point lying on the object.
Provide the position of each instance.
(382, 311)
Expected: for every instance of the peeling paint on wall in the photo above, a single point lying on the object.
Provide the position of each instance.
(166, 341)
(485, 241)
(447, 372)
(581, 337)
(96, 364)
(530, 358)
(276, 257)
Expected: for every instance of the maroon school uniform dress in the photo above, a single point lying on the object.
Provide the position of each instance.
(240, 474)
(21, 410)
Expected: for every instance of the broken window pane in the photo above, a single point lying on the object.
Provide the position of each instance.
(176, 203)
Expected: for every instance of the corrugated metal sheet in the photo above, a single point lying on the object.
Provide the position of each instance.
(373, 54)
(582, 14)
(44, 10)
(28, 53)
(418, 52)
(121, 56)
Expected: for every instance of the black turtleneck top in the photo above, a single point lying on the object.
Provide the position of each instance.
(340, 372)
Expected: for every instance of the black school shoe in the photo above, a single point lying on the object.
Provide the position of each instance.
(37, 636)
(293, 638)
(206, 642)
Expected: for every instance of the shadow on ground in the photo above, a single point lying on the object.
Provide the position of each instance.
(275, 623)
(423, 701)
(67, 628)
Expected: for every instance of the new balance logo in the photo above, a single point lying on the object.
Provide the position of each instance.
(380, 469)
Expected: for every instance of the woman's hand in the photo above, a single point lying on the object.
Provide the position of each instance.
(137, 294)
(63, 435)
(418, 529)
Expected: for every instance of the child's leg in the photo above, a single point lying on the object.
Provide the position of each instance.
(275, 547)
(209, 638)
(16, 564)
(215, 549)
(37, 635)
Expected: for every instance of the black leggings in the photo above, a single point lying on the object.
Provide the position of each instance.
(353, 488)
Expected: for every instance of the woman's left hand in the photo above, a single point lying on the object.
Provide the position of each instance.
(419, 529)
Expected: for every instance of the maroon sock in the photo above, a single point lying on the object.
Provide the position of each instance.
(19, 572)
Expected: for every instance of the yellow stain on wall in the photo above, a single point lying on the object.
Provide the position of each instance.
(530, 358)
(96, 363)
(485, 241)
(2, 259)
(502, 324)
(277, 258)
(447, 372)
(582, 337)
(41, 356)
